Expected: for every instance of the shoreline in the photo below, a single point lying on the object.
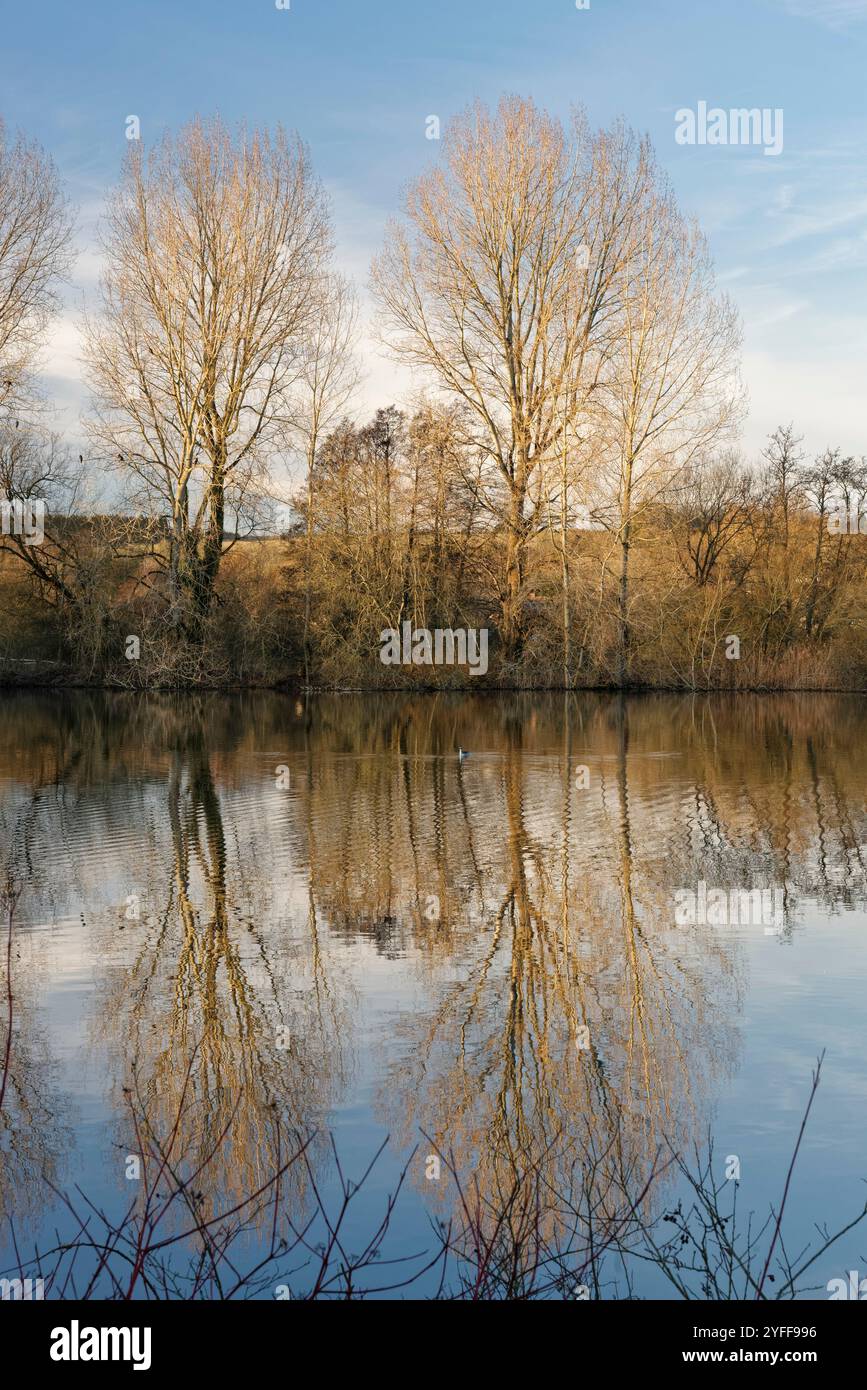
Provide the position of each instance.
(290, 687)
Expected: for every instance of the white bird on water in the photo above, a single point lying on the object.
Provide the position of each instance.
(462, 754)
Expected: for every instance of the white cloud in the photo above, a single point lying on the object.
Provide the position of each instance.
(62, 357)
(837, 14)
(824, 402)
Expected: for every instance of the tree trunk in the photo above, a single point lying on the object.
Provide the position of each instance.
(516, 538)
(564, 570)
(817, 569)
(308, 549)
(624, 639)
(204, 565)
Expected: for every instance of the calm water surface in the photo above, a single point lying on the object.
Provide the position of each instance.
(339, 925)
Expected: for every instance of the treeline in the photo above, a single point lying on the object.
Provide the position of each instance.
(739, 575)
(567, 476)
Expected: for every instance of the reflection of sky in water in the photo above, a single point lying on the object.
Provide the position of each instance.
(308, 909)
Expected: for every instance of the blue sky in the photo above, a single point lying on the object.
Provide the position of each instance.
(358, 78)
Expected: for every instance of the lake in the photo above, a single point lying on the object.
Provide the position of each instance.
(611, 926)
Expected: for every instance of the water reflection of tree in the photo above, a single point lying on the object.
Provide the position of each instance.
(211, 990)
(521, 907)
(34, 1120)
(148, 794)
(499, 1072)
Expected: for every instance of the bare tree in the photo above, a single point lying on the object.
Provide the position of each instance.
(328, 377)
(782, 473)
(783, 482)
(35, 469)
(830, 478)
(671, 389)
(711, 507)
(35, 466)
(562, 476)
(501, 287)
(214, 248)
(443, 510)
(35, 228)
(74, 565)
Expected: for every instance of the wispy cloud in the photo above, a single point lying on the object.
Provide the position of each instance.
(837, 14)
